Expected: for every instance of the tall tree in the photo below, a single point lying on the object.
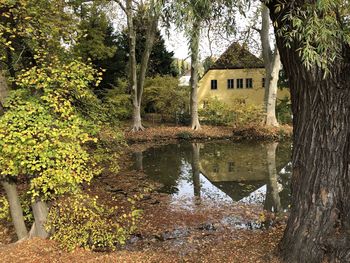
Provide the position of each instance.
(160, 61)
(313, 40)
(31, 33)
(192, 16)
(272, 64)
(137, 77)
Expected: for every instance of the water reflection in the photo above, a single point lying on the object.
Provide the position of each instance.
(222, 171)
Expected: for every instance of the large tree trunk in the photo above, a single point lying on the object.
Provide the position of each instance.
(318, 226)
(194, 46)
(272, 65)
(15, 209)
(40, 212)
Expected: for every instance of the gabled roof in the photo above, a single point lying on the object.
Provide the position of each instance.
(237, 57)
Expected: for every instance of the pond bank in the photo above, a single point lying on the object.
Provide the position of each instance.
(166, 133)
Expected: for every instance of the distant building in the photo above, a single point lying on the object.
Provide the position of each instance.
(185, 79)
(236, 75)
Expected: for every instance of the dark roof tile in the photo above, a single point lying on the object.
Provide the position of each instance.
(237, 57)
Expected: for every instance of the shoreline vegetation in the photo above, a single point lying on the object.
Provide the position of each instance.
(167, 132)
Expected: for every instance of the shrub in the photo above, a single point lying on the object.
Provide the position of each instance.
(163, 95)
(284, 111)
(185, 135)
(81, 221)
(117, 102)
(4, 209)
(216, 112)
(43, 135)
(246, 114)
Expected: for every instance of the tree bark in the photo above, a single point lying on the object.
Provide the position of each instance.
(15, 209)
(318, 226)
(272, 65)
(273, 201)
(40, 212)
(194, 47)
(271, 90)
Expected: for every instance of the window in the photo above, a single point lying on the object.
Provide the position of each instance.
(215, 168)
(214, 84)
(263, 82)
(231, 166)
(249, 83)
(239, 83)
(230, 83)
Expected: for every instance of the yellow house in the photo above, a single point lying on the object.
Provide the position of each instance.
(236, 75)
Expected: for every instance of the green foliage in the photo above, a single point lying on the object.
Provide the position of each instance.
(81, 221)
(4, 209)
(42, 135)
(118, 102)
(96, 28)
(108, 147)
(160, 60)
(163, 95)
(284, 111)
(320, 28)
(27, 26)
(246, 114)
(26, 206)
(216, 112)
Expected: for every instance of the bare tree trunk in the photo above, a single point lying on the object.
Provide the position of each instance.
(40, 212)
(272, 67)
(15, 209)
(150, 35)
(194, 46)
(273, 201)
(137, 125)
(271, 119)
(137, 81)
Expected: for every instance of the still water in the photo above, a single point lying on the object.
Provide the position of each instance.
(245, 172)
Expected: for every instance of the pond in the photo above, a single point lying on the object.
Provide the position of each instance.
(221, 172)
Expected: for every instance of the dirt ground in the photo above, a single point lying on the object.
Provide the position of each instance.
(203, 233)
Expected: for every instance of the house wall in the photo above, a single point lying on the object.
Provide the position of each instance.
(254, 95)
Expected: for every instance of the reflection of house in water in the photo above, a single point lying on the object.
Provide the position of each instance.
(220, 171)
(238, 171)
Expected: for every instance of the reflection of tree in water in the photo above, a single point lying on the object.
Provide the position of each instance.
(237, 169)
(196, 169)
(272, 200)
(240, 169)
(163, 164)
